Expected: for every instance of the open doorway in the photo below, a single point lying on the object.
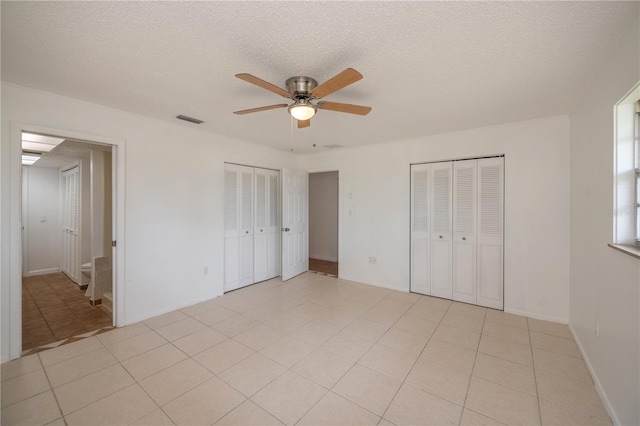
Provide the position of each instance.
(67, 217)
(323, 223)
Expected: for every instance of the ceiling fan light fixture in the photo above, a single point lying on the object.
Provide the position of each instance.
(302, 109)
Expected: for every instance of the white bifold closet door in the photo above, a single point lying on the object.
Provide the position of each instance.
(71, 223)
(490, 232)
(441, 225)
(431, 229)
(464, 230)
(420, 229)
(251, 225)
(457, 230)
(265, 263)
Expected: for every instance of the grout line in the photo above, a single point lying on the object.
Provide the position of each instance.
(475, 359)
(535, 376)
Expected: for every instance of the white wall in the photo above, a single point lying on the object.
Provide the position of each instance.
(41, 219)
(374, 208)
(173, 206)
(323, 216)
(604, 282)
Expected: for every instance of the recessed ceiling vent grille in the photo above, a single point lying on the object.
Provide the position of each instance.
(333, 146)
(189, 119)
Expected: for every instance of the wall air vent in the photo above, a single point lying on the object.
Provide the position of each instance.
(189, 119)
(333, 146)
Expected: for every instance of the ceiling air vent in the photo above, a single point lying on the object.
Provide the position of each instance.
(333, 146)
(189, 119)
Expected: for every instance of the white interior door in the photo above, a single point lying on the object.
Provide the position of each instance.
(441, 224)
(295, 223)
(464, 230)
(490, 232)
(420, 235)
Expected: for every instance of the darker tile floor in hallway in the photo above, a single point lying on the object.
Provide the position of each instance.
(54, 308)
(324, 267)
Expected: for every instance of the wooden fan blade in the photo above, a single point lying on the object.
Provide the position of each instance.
(340, 107)
(264, 84)
(304, 123)
(264, 108)
(345, 78)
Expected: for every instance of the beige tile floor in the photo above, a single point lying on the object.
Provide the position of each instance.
(312, 351)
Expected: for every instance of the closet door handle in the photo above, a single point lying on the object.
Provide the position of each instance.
(440, 236)
(246, 232)
(285, 229)
(464, 238)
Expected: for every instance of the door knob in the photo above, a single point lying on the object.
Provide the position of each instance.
(261, 230)
(440, 236)
(285, 229)
(246, 232)
(464, 238)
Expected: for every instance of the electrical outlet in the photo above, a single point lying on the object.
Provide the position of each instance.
(206, 270)
(373, 260)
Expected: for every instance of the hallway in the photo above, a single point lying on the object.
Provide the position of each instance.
(54, 308)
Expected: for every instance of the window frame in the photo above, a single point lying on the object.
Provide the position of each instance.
(636, 152)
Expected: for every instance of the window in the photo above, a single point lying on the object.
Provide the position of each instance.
(626, 207)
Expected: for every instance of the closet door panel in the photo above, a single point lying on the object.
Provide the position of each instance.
(231, 229)
(490, 232)
(441, 230)
(261, 248)
(273, 225)
(420, 236)
(266, 224)
(464, 231)
(246, 230)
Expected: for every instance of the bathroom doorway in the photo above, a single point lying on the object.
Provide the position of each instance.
(67, 232)
(323, 222)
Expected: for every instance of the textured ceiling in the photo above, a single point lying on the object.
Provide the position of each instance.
(429, 67)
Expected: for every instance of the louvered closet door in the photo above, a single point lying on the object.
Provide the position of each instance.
(65, 224)
(490, 232)
(420, 236)
(273, 225)
(464, 230)
(441, 230)
(265, 230)
(71, 223)
(238, 241)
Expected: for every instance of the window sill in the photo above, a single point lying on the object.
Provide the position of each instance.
(627, 249)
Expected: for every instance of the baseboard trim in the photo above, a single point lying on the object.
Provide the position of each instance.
(536, 316)
(596, 381)
(43, 272)
(325, 258)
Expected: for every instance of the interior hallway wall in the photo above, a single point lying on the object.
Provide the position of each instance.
(323, 216)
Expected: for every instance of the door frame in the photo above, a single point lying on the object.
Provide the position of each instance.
(15, 219)
(340, 221)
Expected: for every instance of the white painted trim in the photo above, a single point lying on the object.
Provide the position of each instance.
(43, 272)
(15, 234)
(536, 316)
(326, 258)
(596, 381)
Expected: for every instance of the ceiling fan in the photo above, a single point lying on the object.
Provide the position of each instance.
(303, 90)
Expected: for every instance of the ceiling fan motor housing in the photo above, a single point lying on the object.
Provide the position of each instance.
(301, 86)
